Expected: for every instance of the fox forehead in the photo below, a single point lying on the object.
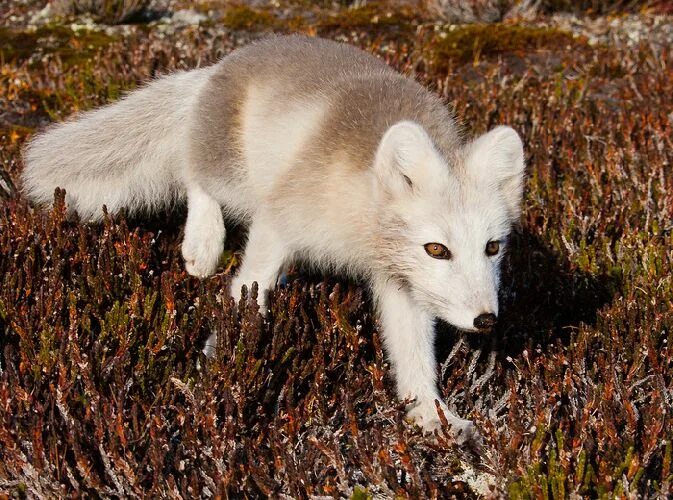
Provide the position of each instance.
(460, 231)
(460, 213)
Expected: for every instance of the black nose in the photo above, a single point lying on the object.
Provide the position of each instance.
(485, 321)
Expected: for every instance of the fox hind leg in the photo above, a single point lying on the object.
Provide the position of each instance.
(263, 259)
(204, 233)
(265, 254)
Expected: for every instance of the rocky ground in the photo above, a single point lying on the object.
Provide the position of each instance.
(100, 326)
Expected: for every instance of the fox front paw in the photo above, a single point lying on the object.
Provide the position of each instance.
(202, 256)
(426, 417)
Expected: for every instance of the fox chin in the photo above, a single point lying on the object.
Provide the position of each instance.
(326, 154)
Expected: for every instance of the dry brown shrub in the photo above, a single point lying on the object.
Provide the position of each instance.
(100, 328)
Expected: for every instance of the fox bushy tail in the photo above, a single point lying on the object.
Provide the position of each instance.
(127, 155)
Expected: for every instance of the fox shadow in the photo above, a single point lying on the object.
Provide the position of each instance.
(543, 298)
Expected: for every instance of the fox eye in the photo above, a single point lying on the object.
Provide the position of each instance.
(492, 248)
(437, 251)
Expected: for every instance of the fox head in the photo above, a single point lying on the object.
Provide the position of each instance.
(445, 223)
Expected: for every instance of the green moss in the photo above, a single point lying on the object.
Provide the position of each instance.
(369, 15)
(473, 42)
(360, 494)
(73, 46)
(242, 17)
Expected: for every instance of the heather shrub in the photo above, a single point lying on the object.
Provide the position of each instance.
(101, 328)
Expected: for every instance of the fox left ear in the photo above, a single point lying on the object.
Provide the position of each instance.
(496, 158)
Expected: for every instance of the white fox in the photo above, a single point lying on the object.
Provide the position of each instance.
(327, 155)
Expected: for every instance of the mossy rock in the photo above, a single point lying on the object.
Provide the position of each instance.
(72, 46)
(472, 42)
(242, 17)
(371, 15)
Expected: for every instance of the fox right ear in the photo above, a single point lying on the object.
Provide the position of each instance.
(497, 159)
(405, 159)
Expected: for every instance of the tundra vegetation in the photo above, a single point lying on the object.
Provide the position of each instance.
(101, 328)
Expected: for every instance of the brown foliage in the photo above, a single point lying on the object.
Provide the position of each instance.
(100, 328)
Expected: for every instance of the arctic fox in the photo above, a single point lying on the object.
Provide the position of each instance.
(327, 155)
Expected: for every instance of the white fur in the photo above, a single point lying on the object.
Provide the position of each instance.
(409, 333)
(368, 220)
(204, 233)
(462, 210)
(496, 160)
(104, 156)
(272, 142)
(405, 154)
(266, 252)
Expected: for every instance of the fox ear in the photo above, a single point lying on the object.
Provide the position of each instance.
(405, 159)
(496, 159)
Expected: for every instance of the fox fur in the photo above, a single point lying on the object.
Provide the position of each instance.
(328, 155)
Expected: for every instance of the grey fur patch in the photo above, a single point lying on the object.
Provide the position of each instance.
(364, 97)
